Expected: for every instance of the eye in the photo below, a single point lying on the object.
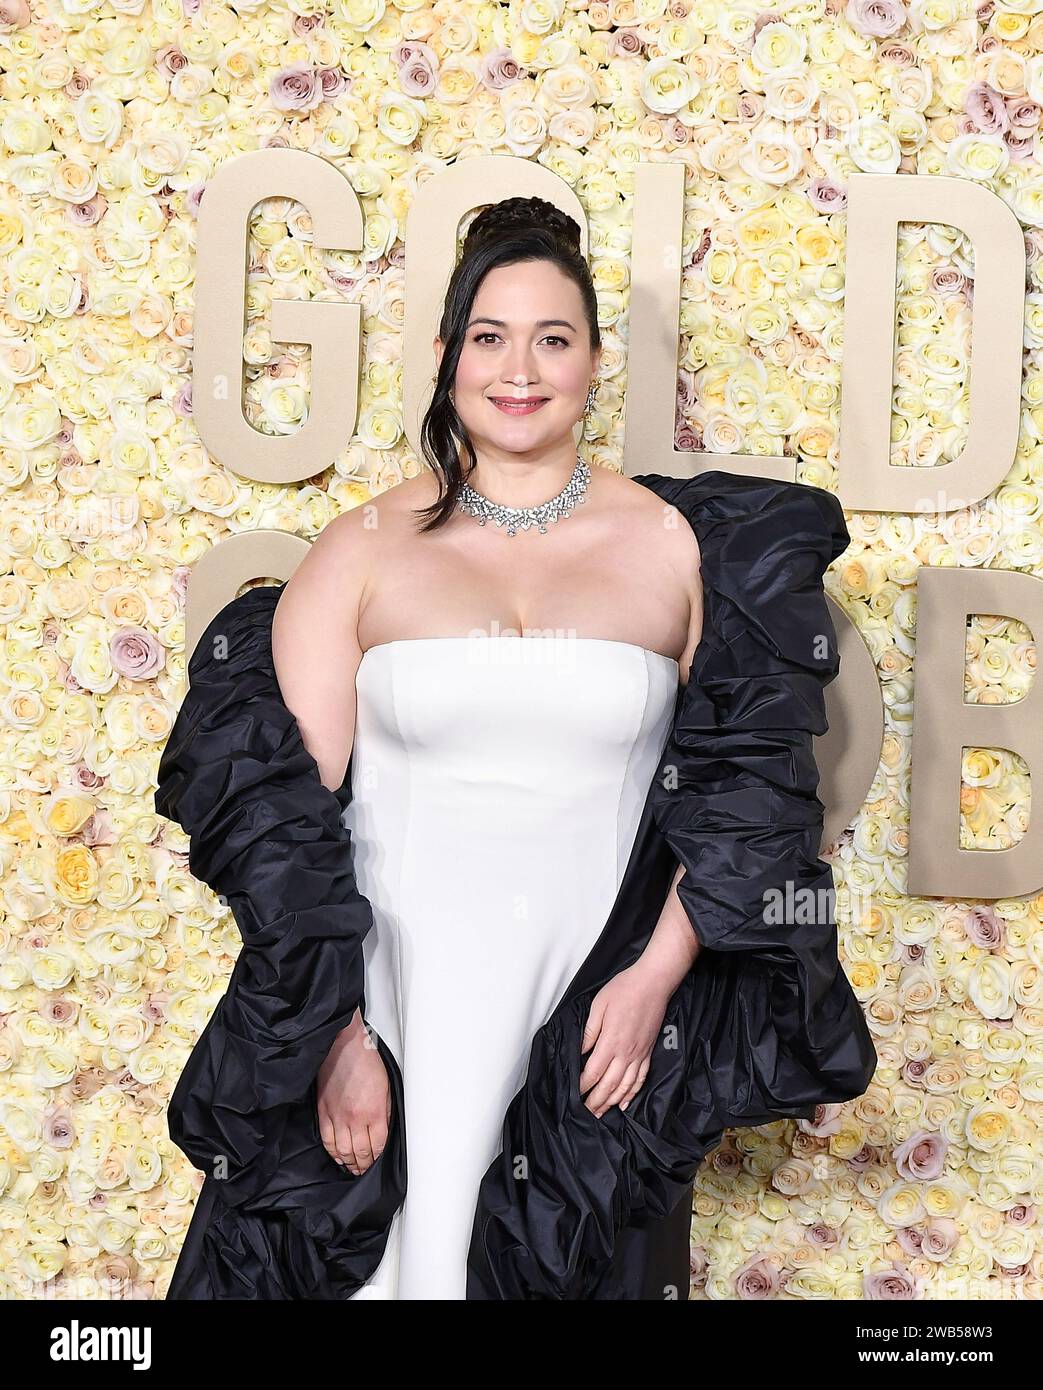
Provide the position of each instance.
(553, 338)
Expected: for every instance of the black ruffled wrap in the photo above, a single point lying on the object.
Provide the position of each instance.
(764, 1026)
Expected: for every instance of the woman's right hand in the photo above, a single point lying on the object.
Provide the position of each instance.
(354, 1099)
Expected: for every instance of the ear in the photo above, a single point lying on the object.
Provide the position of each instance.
(439, 348)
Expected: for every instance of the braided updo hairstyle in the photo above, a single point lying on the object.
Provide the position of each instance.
(505, 233)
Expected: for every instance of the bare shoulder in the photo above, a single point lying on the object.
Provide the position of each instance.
(653, 519)
(385, 520)
(351, 548)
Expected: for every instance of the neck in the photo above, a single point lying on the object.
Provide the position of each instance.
(521, 484)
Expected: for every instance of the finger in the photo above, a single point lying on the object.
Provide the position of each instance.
(344, 1145)
(328, 1135)
(378, 1137)
(598, 1098)
(626, 1087)
(362, 1146)
(592, 1028)
(595, 1066)
(618, 1091)
(636, 1088)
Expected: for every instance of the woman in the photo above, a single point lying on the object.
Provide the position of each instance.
(494, 764)
(504, 823)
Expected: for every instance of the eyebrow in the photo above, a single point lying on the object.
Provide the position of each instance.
(541, 323)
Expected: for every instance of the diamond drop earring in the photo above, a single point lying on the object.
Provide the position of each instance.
(591, 395)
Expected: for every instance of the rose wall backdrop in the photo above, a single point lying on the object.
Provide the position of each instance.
(114, 116)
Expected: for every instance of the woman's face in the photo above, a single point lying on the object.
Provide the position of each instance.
(526, 340)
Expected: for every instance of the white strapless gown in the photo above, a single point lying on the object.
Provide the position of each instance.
(497, 784)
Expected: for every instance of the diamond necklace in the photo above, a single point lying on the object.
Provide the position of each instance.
(521, 518)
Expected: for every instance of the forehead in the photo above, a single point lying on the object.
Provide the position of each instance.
(526, 291)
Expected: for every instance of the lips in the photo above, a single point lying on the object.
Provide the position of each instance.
(512, 406)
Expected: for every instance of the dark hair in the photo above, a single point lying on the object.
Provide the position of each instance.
(505, 233)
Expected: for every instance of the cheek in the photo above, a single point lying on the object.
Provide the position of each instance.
(569, 377)
(471, 373)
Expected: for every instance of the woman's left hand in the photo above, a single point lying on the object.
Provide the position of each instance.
(622, 1027)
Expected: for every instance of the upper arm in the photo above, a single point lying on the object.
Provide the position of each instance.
(689, 561)
(315, 643)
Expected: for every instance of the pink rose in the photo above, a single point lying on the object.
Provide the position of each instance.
(182, 401)
(98, 829)
(725, 1161)
(750, 107)
(1020, 147)
(154, 1007)
(418, 77)
(498, 70)
(757, 1280)
(58, 1010)
(626, 43)
(940, 1236)
(687, 395)
(417, 65)
(913, 1071)
(931, 1242)
(877, 19)
(135, 653)
(986, 108)
(57, 1128)
(821, 1236)
(334, 81)
(14, 14)
(87, 214)
(984, 926)
(825, 196)
(1023, 114)
(170, 60)
(947, 281)
(828, 1119)
(889, 1285)
(921, 1156)
(296, 88)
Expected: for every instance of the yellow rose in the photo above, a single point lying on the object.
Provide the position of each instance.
(76, 874)
(67, 813)
(977, 156)
(987, 1127)
(399, 117)
(379, 427)
(667, 85)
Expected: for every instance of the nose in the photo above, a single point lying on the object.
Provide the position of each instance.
(519, 367)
